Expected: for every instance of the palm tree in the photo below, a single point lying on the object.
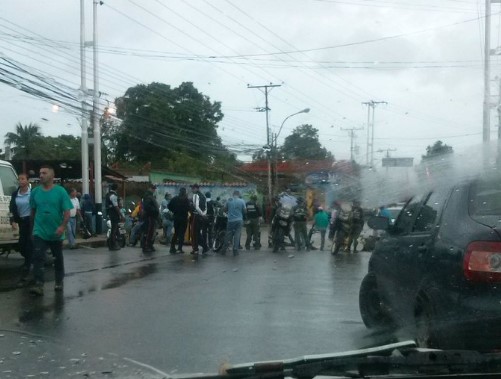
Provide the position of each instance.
(24, 140)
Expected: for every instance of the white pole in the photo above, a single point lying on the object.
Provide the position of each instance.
(487, 93)
(83, 89)
(96, 120)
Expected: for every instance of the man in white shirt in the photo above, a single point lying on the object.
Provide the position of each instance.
(71, 227)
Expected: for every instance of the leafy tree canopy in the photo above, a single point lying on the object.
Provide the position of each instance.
(162, 125)
(29, 143)
(24, 141)
(303, 143)
(437, 149)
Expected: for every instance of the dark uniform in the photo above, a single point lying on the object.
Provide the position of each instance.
(151, 213)
(111, 204)
(299, 215)
(252, 224)
(357, 224)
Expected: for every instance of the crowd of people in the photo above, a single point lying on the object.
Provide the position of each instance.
(48, 214)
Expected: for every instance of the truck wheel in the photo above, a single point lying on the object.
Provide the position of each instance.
(372, 310)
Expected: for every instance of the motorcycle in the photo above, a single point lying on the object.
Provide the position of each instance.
(282, 221)
(121, 234)
(219, 232)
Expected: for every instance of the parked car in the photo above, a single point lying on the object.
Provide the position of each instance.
(437, 271)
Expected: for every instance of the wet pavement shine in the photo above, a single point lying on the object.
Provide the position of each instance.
(123, 314)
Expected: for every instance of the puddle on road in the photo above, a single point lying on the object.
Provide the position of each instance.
(32, 309)
(140, 272)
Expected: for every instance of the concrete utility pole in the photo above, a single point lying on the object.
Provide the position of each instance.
(83, 90)
(98, 195)
(487, 71)
(371, 106)
(387, 151)
(352, 137)
(267, 88)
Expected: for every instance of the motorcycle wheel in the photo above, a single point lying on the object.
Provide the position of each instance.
(121, 240)
(108, 243)
(278, 239)
(219, 241)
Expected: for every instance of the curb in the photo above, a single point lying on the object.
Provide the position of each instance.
(93, 242)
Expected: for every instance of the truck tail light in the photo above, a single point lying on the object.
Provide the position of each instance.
(482, 262)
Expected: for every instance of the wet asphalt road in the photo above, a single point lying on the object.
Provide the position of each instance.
(126, 315)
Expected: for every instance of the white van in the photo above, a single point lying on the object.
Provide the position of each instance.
(8, 184)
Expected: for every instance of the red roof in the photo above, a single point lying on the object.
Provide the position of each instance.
(290, 167)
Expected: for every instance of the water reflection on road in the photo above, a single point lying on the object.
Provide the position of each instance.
(176, 314)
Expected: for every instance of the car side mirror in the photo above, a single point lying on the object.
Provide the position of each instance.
(378, 223)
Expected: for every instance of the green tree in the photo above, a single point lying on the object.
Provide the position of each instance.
(61, 147)
(24, 141)
(259, 155)
(303, 143)
(161, 124)
(436, 150)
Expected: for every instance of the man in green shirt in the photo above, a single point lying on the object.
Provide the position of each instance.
(50, 212)
(320, 223)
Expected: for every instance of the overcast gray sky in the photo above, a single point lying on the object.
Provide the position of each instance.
(424, 58)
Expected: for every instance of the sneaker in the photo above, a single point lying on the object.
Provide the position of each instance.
(58, 287)
(180, 252)
(23, 282)
(37, 290)
(150, 250)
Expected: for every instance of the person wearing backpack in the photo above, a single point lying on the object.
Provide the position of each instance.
(198, 221)
(300, 217)
(252, 223)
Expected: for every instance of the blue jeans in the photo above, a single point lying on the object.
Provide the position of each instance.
(71, 230)
(40, 247)
(135, 231)
(90, 222)
(168, 227)
(233, 232)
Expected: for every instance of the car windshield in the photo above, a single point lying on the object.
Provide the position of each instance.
(189, 185)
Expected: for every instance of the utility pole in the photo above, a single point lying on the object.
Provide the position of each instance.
(351, 132)
(371, 107)
(96, 119)
(487, 58)
(267, 89)
(83, 90)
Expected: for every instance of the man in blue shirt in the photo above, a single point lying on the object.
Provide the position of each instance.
(235, 208)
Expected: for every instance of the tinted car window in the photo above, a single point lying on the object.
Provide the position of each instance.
(407, 215)
(430, 212)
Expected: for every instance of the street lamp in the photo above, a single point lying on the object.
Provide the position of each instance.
(306, 110)
(274, 144)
